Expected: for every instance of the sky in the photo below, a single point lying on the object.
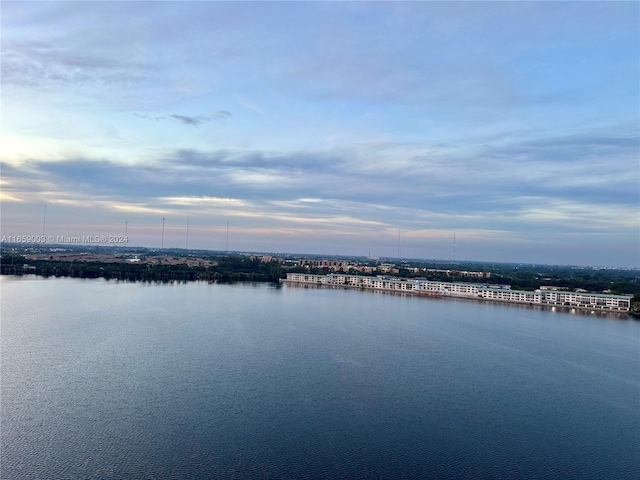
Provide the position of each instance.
(333, 128)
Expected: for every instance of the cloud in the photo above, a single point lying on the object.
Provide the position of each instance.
(510, 186)
(189, 120)
(194, 121)
(200, 119)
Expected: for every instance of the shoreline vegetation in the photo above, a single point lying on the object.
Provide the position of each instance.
(228, 269)
(170, 265)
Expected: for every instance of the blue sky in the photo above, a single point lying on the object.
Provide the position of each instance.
(328, 127)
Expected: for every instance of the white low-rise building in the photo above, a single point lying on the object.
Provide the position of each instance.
(594, 301)
(455, 289)
(502, 293)
(508, 295)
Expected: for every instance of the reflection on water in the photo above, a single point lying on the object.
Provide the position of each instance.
(110, 379)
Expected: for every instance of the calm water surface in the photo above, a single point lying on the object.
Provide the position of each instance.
(107, 380)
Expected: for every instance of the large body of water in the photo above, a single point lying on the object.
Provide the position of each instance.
(107, 380)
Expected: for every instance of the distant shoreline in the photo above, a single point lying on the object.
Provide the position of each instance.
(550, 308)
(501, 282)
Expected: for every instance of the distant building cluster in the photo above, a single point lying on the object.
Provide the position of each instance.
(345, 266)
(328, 265)
(500, 293)
(459, 273)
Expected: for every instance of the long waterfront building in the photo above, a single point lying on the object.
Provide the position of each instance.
(500, 293)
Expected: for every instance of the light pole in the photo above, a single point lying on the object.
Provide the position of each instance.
(162, 240)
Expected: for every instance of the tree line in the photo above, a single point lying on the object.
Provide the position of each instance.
(228, 269)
